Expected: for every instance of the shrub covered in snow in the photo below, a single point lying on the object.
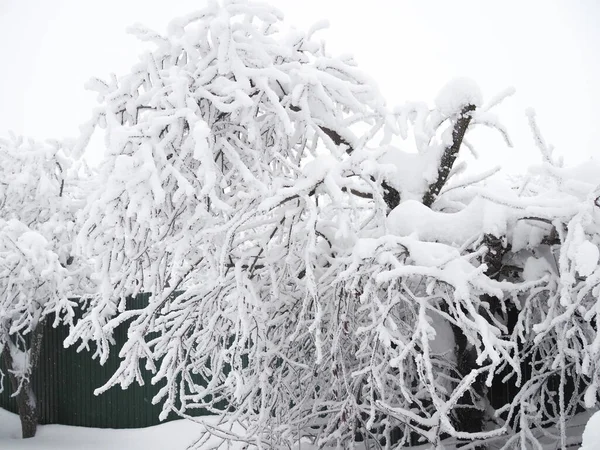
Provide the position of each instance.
(332, 283)
(38, 269)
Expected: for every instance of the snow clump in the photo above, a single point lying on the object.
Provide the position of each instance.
(457, 94)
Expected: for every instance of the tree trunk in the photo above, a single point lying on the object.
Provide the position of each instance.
(469, 414)
(471, 417)
(27, 410)
(26, 401)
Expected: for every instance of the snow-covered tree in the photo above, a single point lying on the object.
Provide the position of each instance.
(311, 270)
(37, 276)
(208, 140)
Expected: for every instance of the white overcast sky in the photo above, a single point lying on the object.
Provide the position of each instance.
(549, 50)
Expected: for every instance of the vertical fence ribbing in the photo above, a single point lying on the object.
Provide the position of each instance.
(65, 381)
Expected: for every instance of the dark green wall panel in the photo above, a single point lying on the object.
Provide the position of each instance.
(65, 380)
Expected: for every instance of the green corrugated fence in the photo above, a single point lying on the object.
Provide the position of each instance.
(64, 384)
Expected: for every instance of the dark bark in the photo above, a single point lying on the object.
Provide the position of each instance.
(390, 195)
(449, 156)
(469, 415)
(337, 138)
(26, 400)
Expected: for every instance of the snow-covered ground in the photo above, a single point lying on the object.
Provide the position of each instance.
(175, 435)
(179, 434)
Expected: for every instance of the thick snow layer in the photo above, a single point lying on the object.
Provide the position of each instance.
(591, 434)
(456, 94)
(176, 435)
(411, 173)
(179, 434)
(586, 259)
(31, 240)
(450, 228)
